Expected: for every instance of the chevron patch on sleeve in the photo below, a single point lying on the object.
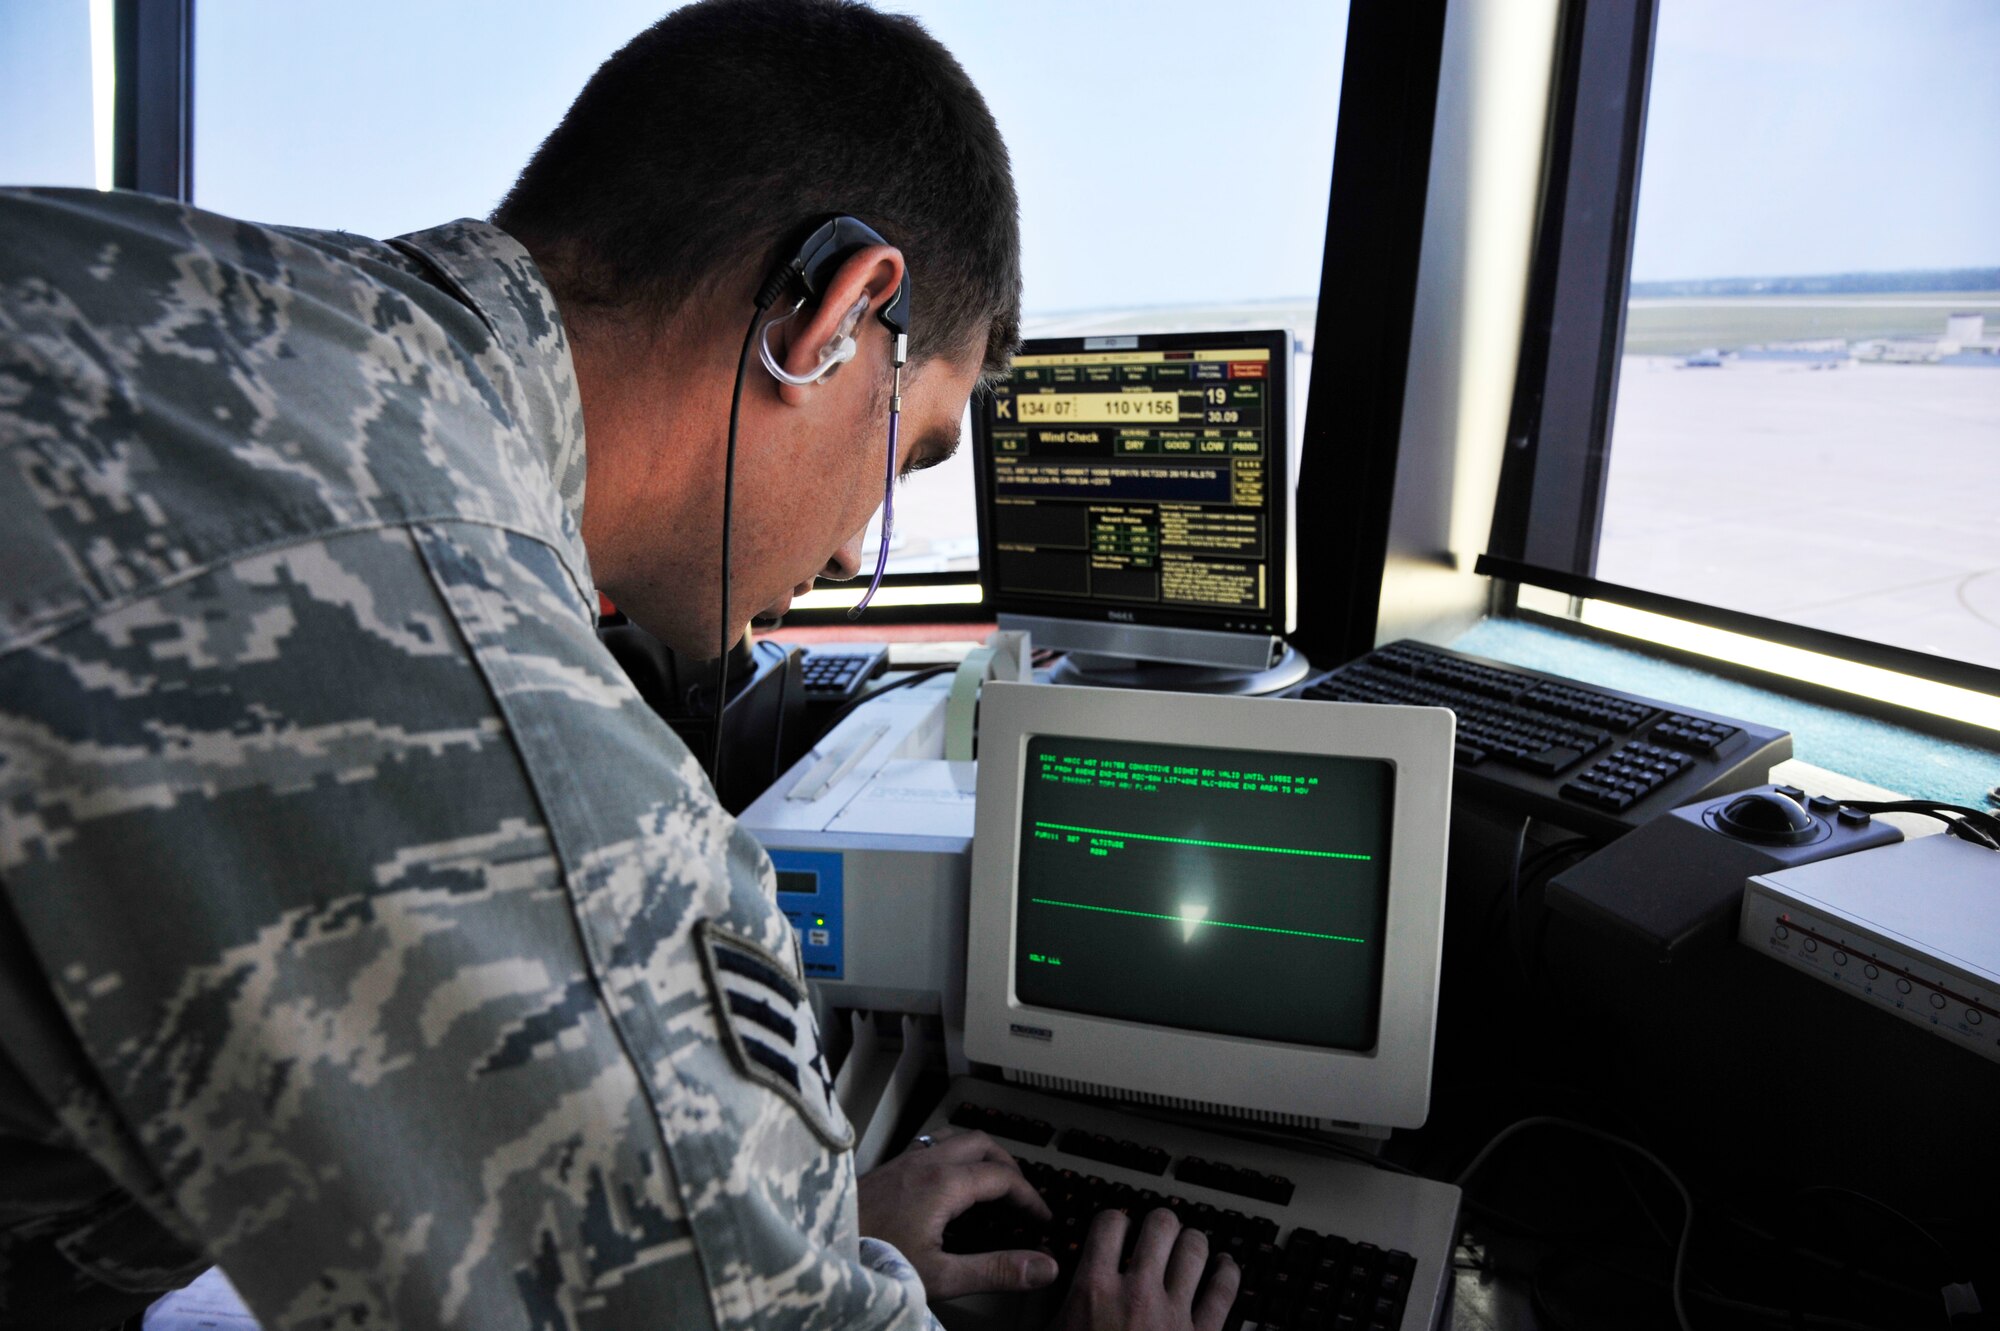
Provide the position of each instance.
(767, 1021)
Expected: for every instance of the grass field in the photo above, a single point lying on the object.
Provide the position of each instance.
(1678, 326)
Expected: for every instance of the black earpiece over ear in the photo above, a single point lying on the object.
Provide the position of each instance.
(821, 248)
(823, 245)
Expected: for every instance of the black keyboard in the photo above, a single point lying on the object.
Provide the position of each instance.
(1313, 1281)
(836, 673)
(1586, 757)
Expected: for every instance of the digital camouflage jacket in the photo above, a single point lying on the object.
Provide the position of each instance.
(361, 929)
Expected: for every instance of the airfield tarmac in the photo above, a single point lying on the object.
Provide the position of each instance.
(1863, 499)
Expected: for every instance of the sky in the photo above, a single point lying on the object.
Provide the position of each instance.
(308, 114)
(1795, 137)
(1784, 136)
(45, 130)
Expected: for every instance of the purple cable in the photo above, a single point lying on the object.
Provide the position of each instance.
(888, 518)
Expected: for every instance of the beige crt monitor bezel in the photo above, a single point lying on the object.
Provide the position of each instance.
(1388, 1086)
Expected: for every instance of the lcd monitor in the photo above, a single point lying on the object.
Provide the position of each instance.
(1135, 501)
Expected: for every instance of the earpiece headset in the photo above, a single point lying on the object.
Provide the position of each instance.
(832, 355)
(826, 244)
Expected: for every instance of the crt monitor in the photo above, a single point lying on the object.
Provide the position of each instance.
(1231, 905)
(1135, 496)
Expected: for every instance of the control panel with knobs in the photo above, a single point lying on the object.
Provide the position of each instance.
(1912, 929)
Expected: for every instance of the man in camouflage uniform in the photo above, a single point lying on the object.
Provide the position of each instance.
(361, 930)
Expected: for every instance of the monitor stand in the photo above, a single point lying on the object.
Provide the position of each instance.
(1125, 672)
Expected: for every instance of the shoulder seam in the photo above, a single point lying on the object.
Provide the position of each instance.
(91, 607)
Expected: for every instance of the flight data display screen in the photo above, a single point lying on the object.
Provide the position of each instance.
(1238, 892)
(1141, 484)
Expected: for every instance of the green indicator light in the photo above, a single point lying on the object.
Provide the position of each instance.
(1218, 845)
(1183, 919)
(821, 920)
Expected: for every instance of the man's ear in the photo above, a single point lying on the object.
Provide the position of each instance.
(875, 271)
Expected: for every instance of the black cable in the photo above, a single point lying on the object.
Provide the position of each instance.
(1538, 955)
(1547, 854)
(1766, 1312)
(1605, 1255)
(1947, 1271)
(1677, 1284)
(762, 303)
(914, 677)
(1798, 1248)
(1510, 889)
(1978, 826)
(1838, 1190)
(1538, 1299)
(1523, 869)
(1514, 922)
(1624, 1169)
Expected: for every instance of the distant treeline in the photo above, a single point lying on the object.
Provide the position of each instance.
(1830, 284)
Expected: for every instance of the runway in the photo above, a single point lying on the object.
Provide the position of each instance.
(1863, 499)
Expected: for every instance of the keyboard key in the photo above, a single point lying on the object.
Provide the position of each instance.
(1549, 761)
(1272, 1188)
(999, 1123)
(1131, 1155)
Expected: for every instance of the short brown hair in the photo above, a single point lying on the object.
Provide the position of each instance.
(680, 158)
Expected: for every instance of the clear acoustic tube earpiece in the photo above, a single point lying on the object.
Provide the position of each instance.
(839, 349)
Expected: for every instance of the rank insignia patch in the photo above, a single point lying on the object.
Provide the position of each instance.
(767, 1022)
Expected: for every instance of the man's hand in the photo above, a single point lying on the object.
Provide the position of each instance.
(909, 1200)
(1161, 1288)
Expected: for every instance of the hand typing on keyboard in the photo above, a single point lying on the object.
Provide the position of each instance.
(909, 1201)
(1161, 1286)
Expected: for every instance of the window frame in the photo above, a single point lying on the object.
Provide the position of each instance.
(152, 136)
(1353, 400)
(1549, 511)
(1351, 446)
